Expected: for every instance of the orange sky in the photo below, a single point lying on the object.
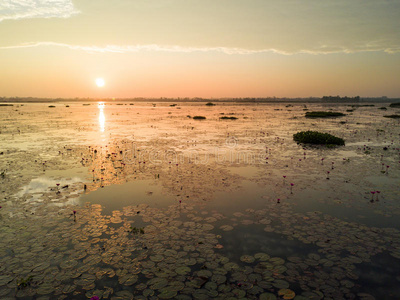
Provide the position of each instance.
(160, 48)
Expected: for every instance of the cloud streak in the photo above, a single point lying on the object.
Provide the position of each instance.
(28, 9)
(324, 49)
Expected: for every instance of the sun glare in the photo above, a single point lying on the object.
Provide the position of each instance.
(100, 82)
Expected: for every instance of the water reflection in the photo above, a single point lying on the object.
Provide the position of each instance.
(43, 184)
(102, 118)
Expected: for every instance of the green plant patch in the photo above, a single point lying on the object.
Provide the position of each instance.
(323, 114)
(318, 138)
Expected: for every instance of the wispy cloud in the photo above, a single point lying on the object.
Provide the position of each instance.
(324, 49)
(27, 9)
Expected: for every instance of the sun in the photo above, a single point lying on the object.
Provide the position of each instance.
(100, 82)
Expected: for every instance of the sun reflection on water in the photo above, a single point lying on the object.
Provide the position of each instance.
(102, 118)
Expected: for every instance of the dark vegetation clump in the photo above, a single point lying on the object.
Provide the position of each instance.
(228, 118)
(397, 104)
(383, 108)
(51, 106)
(323, 114)
(199, 118)
(210, 104)
(318, 138)
(392, 116)
(3, 104)
(86, 104)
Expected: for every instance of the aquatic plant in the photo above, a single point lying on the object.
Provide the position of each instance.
(199, 118)
(315, 137)
(397, 104)
(228, 118)
(23, 283)
(51, 106)
(327, 174)
(323, 114)
(139, 230)
(392, 116)
(291, 188)
(210, 104)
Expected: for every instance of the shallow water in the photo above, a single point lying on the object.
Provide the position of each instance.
(141, 201)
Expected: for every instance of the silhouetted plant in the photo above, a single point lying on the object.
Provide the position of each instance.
(199, 118)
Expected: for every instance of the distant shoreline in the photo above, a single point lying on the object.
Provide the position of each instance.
(199, 100)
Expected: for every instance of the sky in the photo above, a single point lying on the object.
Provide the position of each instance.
(192, 48)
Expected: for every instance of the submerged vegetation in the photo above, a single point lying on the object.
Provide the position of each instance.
(319, 138)
(323, 114)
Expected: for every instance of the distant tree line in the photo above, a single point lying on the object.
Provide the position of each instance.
(342, 99)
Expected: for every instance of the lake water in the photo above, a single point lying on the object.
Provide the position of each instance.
(142, 201)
